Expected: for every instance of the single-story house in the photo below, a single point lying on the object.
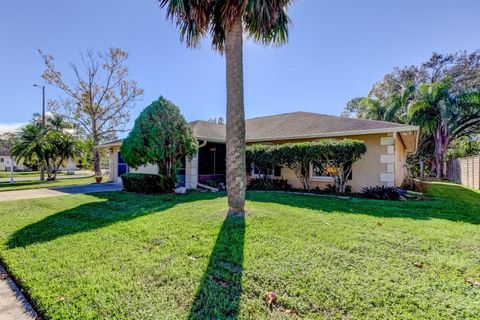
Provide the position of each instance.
(383, 164)
(6, 161)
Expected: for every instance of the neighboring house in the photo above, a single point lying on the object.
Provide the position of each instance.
(383, 164)
(6, 161)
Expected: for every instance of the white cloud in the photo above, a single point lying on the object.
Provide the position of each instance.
(10, 127)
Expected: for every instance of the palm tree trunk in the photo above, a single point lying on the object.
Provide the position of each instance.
(235, 138)
(442, 141)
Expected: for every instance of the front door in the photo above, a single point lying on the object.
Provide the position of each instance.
(122, 166)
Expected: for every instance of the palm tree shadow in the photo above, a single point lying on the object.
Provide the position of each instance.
(110, 208)
(218, 296)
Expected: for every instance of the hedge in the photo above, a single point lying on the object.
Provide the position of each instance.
(142, 183)
(298, 156)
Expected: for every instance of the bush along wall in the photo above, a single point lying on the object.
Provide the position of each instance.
(143, 183)
(335, 154)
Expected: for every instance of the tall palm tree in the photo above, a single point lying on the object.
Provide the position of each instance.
(445, 116)
(266, 22)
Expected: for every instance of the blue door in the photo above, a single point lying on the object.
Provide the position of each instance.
(122, 166)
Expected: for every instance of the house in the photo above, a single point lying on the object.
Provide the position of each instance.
(383, 164)
(6, 161)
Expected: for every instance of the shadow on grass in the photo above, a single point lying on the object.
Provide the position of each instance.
(218, 296)
(451, 202)
(108, 208)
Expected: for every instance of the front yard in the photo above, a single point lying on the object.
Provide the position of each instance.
(127, 256)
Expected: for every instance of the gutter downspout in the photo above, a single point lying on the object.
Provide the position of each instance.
(203, 144)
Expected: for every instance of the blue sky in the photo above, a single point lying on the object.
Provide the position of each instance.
(337, 50)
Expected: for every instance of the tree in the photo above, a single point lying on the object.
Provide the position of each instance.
(391, 99)
(225, 21)
(30, 144)
(445, 116)
(50, 147)
(337, 155)
(160, 136)
(464, 147)
(100, 97)
(392, 108)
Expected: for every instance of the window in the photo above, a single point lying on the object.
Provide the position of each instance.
(319, 171)
(1, 160)
(256, 172)
(323, 171)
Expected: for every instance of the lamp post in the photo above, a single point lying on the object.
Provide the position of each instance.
(42, 169)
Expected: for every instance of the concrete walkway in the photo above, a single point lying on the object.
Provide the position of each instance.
(13, 304)
(59, 191)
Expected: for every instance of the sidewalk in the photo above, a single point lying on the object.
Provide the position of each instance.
(13, 304)
(59, 191)
(79, 174)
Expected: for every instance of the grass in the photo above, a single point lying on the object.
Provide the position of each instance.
(127, 256)
(31, 174)
(34, 184)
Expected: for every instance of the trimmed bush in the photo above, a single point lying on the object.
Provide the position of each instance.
(143, 183)
(160, 136)
(338, 155)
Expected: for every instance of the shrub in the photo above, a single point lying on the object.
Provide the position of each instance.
(330, 188)
(412, 185)
(266, 183)
(381, 193)
(143, 183)
(216, 183)
(160, 136)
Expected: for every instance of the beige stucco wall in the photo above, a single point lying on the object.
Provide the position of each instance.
(151, 168)
(113, 165)
(376, 167)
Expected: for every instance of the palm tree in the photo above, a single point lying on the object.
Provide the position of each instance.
(266, 22)
(445, 116)
(62, 147)
(392, 108)
(50, 147)
(30, 144)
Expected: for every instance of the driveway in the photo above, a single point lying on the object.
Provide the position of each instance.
(59, 191)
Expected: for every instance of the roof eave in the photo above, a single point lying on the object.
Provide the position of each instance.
(340, 134)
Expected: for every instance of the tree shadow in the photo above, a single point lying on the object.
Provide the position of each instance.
(109, 208)
(451, 202)
(218, 296)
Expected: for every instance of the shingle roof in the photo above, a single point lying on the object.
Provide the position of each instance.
(4, 153)
(295, 125)
(208, 130)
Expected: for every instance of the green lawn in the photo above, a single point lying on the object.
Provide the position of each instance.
(34, 174)
(128, 256)
(34, 184)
